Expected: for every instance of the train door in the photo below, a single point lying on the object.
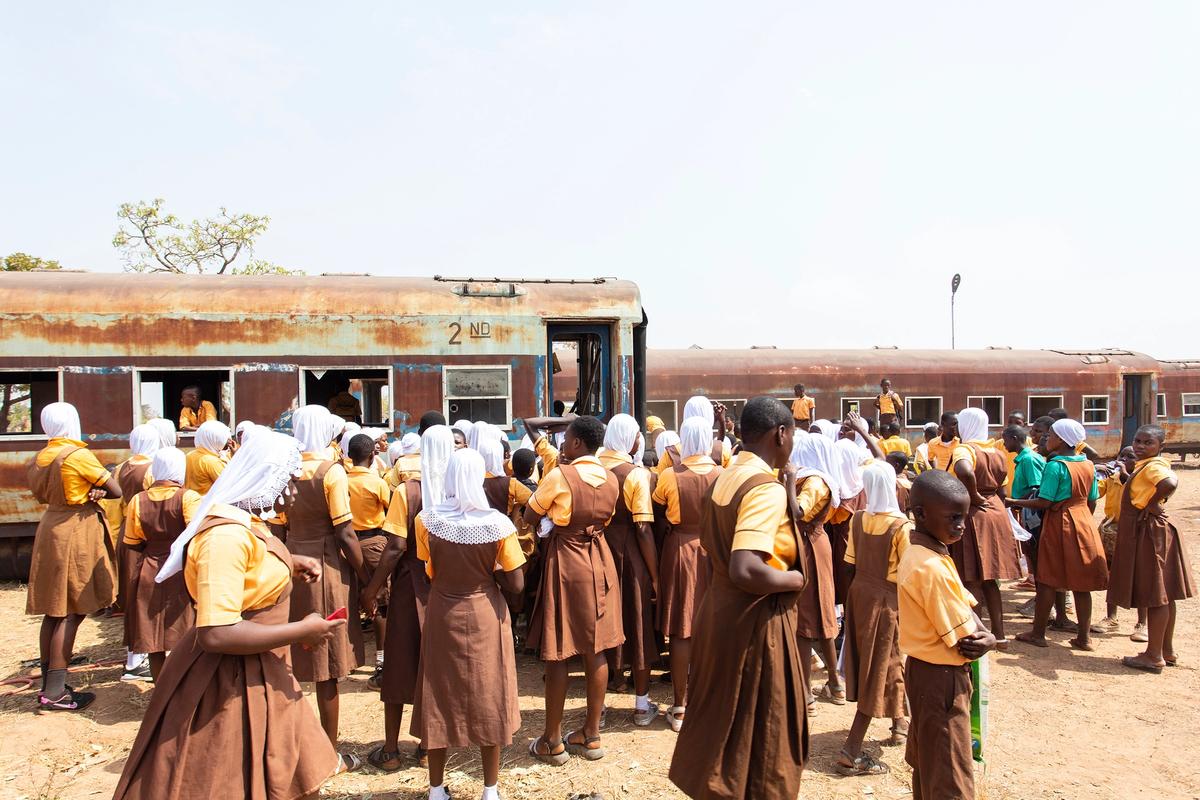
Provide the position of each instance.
(580, 358)
(1135, 411)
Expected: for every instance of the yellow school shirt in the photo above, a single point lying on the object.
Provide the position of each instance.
(134, 535)
(509, 555)
(666, 462)
(229, 570)
(553, 497)
(203, 468)
(194, 418)
(878, 525)
(887, 403)
(518, 493)
(935, 607)
(1153, 471)
(406, 468)
(547, 452)
(336, 485)
(812, 498)
(1111, 490)
(369, 496)
(666, 492)
(636, 491)
(114, 510)
(396, 521)
(940, 452)
(762, 522)
(81, 472)
(896, 444)
(802, 408)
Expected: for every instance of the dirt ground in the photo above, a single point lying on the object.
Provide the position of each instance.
(1064, 724)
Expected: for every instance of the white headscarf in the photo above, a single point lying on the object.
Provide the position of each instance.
(1070, 431)
(816, 455)
(315, 428)
(700, 406)
(213, 435)
(344, 442)
(144, 440)
(850, 459)
(482, 431)
(170, 464)
(828, 428)
(252, 431)
(253, 480)
(621, 434)
(61, 421)
(695, 439)
(464, 426)
(437, 443)
(493, 456)
(665, 440)
(410, 444)
(241, 429)
(880, 481)
(464, 515)
(166, 431)
(972, 425)
(347, 425)
(394, 451)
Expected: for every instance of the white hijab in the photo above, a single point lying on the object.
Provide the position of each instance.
(695, 439)
(61, 421)
(621, 434)
(315, 428)
(493, 457)
(816, 455)
(464, 426)
(700, 406)
(972, 425)
(252, 431)
(253, 480)
(665, 440)
(463, 515)
(241, 429)
(880, 481)
(828, 428)
(213, 435)
(144, 440)
(170, 464)
(437, 443)
(483, 431)
(410, 444)
(166, 431)
(394, 451)
(1070, 431)
(850, 460)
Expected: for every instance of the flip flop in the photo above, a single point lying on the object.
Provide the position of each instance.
(584, 749)
(1134, 663)
(348, 762)
(549, 757)
(862, 765)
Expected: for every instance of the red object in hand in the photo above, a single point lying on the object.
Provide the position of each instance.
(341, 613)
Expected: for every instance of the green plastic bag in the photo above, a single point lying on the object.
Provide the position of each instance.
(980, 688)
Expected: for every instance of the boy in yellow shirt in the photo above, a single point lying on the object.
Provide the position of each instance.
(892, 441)
(802, 408)
(369, 498)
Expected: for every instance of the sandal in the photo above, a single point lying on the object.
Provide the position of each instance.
(897, 739)
(549, 757)
(1136, 663)
(603, 717)
(584, 748)
(422, 757)
(643, 717)
(1064, 625)
(863, 765)
(835, 696)
(675, 716)
(384, 760)
(348, 762)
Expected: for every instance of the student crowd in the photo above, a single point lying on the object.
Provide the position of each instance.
(749, 559)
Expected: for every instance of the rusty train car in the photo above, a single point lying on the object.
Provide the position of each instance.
(1111, 391)
(121, 348)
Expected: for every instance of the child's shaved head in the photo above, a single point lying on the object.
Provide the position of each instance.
(937, 486)
(1154, 430)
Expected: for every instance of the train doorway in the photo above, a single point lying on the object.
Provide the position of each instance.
(580, 369)
(1135, 412)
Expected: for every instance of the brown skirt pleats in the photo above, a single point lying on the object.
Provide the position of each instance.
(871, 654)
(684, 575)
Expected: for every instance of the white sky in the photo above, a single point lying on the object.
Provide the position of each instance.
(787, 173)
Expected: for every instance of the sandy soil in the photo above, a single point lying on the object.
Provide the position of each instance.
(1064, 724)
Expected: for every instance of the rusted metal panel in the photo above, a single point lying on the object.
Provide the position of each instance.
(266, 393)
(104, 398)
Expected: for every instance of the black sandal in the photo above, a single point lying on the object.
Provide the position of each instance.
(864, 764)
(584, 749)
(384, 760)
(549, 757)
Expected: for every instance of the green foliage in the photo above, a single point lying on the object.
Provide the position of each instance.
(23, 262)
(260, 266)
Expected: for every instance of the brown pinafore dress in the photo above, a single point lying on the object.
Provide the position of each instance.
(684, 571)
(639, 650)
(746, 732)
(310, 533)
(987, 551)
(1150, 567)
(157, 615)
(468, 696)
(496, 491)
(839, 534)
(816, 611)
(871, 653)
(229, 726)
(72, 569)
(1070, 551)
(578, 607)
(406, 614)
(132, 480)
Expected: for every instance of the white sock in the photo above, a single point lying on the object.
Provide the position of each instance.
(379, 658)
(491, 793)
(643, 702)
(134, 660)
(438, 793)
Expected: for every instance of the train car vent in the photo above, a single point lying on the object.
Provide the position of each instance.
(695, 347)
(884, 347)
(763, 347)
(999, 347)
(345, 274)
(502, 289)
(1182, 363)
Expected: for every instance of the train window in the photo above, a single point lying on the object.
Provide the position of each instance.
(579, 376)
(860, 405)
(1160, 405)
(160, 393)
(23, 395)
(920, 411)
(356, 394)
(1095, 409)
(666, 410)
(992, 405)
(1191, 404)
(479, 394)
(733, 407)
(1040, 405)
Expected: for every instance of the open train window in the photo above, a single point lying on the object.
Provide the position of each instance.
(733, 407)
(1160, 404)
(992, 405)
(1095, 409)
(1040, 405)
(356, 394)
(920, 411)
(1191, 404)
(478, 394)
(860, 405)
(160, 393)
(579, 368)
(23, 395)
(666, 410)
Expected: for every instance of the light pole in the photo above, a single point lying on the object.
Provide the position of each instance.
(954, 283)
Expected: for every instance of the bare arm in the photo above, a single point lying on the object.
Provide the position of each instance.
(966, 475)
(645, 543)
(348, 543)
(109, 490)
(1165, 488)
(748, 571)
(512, 581)
(247, 638)
(856, 423)
(387, 563)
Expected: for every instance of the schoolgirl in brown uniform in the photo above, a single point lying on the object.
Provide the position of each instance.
(467, 693)
(685, 572)
(71, 572)
(1151, 569)
(746, 732)
(871, 654)
(157, 615)
(578, 608)
(228, 718)
(630, 538)
(320, 527)
(409, 594)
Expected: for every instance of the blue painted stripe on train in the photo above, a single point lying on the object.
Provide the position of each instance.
(420, 367)
(539, 384)
(256, 366)
(99, 370)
